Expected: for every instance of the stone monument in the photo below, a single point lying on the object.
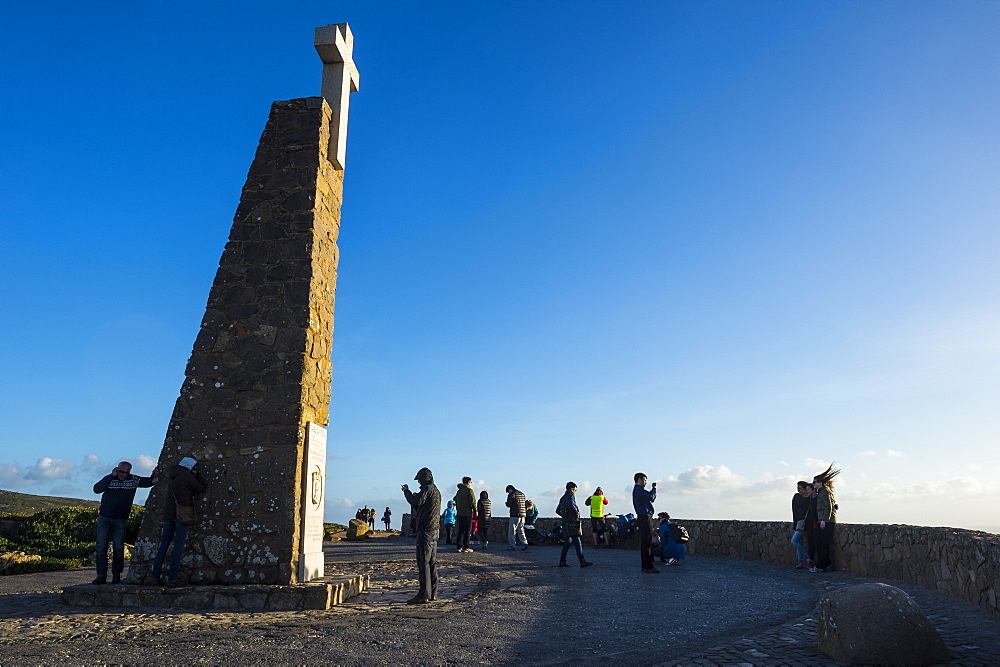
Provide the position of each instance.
(254, 404)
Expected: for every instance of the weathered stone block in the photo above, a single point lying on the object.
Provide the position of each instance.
(876, 624)
(357, 530)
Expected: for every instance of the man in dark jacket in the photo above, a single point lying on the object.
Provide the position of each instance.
(465, 507)
(117, 493)
(569, 512)
(642, 502)
(515, 531)
(425, 506)
(185, 481)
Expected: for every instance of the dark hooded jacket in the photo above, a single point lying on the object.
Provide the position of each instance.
(183, 485)
(425, 504)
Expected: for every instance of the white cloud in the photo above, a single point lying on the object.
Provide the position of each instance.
(91, 460)
(868, 453)
(893, 453)
(144, 464)
(11, 474)
(48, 468)
(816, 463)
(785, 463)
(340, 503)
(701, 479)
(951, 488)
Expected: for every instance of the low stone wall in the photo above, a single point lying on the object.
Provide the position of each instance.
(961, 563)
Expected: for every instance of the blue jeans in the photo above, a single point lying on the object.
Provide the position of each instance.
(798, 540)
(575, 541)
(115, 528)
(178, 532)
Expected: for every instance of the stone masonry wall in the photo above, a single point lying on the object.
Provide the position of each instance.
(260, 368)
(961, 563)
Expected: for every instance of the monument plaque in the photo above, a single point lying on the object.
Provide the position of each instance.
(314, 488)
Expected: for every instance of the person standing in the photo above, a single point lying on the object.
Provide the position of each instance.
(448, 518)
(387, 518)
(465, 507)
(598, 526)
(117, 493)
(800, 508)
(826, 517)
(515, 530)
(185, 481)
(569, 512)
(642, 502)
(484, 510)
(425, 506)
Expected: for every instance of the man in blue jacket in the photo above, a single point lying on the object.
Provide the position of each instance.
(642, 501)
(117, 493)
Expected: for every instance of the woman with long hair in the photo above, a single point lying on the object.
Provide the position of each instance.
(825, 519)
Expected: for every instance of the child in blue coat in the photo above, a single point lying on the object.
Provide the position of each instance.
(448, 517)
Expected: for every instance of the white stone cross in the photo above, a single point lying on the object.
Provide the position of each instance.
(335, 45)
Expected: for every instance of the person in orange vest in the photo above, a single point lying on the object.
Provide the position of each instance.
(598, 527)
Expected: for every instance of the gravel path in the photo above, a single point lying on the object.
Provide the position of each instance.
(498, 607)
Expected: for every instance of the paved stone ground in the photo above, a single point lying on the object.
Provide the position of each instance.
(497, 606)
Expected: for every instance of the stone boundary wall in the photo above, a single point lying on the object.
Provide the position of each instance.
(961, 563)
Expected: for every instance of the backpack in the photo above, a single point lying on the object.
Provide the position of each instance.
(679, 533)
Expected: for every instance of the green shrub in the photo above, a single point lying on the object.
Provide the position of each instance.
(134, 521)
(64, 537)
(47, 564)
(57, 529)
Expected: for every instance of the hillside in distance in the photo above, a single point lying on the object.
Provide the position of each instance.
(24, 503)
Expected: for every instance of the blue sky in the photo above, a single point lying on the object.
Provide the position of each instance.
(723, 243)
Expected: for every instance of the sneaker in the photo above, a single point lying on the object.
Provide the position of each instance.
(586, 563)
(485, 545)
(673, 561)
(810, 565)
(650, 570)
(563, 565)
(100, 580)
(814, 569)
(800, 566)
(510, 548)
(524, 548)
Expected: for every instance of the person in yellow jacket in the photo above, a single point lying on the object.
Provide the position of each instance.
(598, 527)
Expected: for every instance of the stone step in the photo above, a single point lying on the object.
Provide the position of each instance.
(322, 594)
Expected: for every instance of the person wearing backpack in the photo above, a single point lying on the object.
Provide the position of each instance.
(598, 526)
(672, 539)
